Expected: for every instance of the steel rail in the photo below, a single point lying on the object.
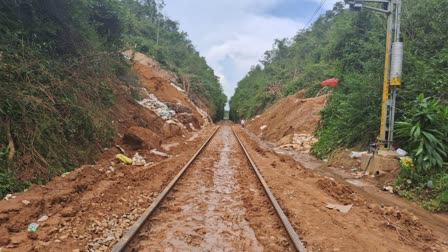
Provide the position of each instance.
(289, 229)
(124, 241)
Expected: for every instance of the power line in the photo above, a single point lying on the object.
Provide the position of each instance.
(315, 12)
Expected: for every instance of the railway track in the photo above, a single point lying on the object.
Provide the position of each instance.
(222, 203)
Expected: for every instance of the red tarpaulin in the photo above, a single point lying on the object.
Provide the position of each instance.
(330, 82)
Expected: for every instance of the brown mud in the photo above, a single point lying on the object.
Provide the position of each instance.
(290, 115)
(368, 226)
(89, 209)
(218, 205)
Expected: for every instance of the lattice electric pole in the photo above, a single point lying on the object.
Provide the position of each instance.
(393, 62)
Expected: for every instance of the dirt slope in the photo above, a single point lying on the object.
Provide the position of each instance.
(164, 90)
(370, 225)
(85, 207)
(89, 208)
(291, 121)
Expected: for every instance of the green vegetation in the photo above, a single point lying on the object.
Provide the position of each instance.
(60, 67)
(350, 46)
(153, 34)
(424, 131)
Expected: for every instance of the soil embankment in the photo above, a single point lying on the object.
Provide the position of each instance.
(368, 226)
(89, 208)
(286, 128)
(291, 115)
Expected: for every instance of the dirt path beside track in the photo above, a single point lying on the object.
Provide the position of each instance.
(368, 226)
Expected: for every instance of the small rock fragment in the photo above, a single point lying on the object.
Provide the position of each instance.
(32, 235)
(4, 241)
(15, 242)
(69, 212)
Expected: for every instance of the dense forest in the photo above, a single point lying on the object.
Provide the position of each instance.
(350, 46)
(60, 62)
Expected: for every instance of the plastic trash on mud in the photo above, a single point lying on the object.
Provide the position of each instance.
(401, 152)
(152, 102)
(43, 218)
(159, 153)
(340, 208)
(177, 87)
(388, 189)
(33, 227)
(123, 158)
(138, 160)
(357, 154)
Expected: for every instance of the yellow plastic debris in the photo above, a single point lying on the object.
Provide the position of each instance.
(123, 158)
(407, 161)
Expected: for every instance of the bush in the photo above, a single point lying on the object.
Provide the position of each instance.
(8, 184)
(423, 131)
(351, 116)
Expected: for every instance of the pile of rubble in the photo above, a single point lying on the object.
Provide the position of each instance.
(110, 230)
(301, 143)
(104, 234)
(151, 102)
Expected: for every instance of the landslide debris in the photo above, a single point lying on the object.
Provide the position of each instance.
(141, 138)
(290, 122)
(144, 117)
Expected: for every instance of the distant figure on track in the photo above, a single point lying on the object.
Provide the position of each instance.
(243, 123)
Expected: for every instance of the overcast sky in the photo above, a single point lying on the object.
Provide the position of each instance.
(234, 34)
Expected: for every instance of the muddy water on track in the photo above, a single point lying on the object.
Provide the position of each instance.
(216, 206)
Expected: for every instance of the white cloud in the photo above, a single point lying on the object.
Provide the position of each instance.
(233, 35)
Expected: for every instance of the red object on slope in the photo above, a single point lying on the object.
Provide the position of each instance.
(330, 82)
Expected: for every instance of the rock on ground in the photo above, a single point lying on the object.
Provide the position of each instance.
(141, 138)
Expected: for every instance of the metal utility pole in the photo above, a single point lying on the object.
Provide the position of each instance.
(393, 62)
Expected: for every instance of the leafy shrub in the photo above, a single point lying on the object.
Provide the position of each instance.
(349, 117)
(8, 184)
(60, 69)
(424, 131)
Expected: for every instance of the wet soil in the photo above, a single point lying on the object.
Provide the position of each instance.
(91, 207)
(289, 115)
(370, 225)
(218, 205)
(340, 169)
